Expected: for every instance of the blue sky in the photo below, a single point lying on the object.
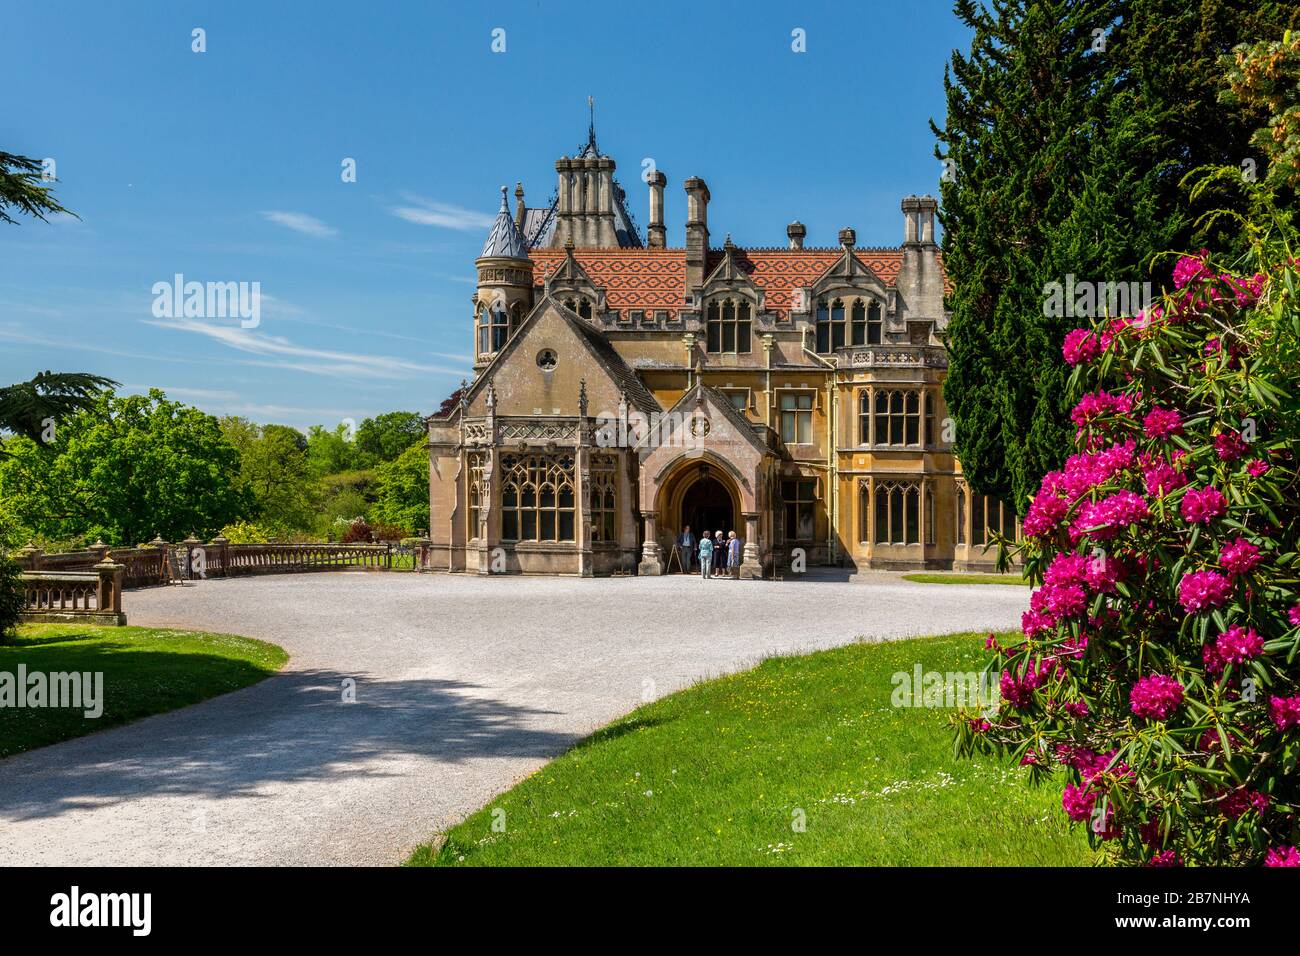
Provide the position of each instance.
(225, 166)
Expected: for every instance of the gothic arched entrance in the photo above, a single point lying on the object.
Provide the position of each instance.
(707, 505)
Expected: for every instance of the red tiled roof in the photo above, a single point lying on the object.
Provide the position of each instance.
(648, 279)
(654, 279)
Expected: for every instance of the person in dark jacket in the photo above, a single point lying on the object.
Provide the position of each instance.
(686, 545)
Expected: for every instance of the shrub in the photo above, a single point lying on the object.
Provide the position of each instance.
(1157, 679)
(11, 595)
(245, 532)
(357, 531)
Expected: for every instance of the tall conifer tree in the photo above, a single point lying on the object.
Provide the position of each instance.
(1070, 126)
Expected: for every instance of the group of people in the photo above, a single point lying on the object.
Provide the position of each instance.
(719, 555)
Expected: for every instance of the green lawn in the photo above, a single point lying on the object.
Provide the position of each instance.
(969, 578)
(146, 671)
(718, 774)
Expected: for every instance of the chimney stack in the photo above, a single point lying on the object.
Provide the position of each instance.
(697, 232)
(656, 233)
(796, 231)
(918, 220)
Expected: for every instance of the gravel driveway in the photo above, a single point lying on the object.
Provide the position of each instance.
(464, 685)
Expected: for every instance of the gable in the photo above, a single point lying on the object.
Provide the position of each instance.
(522, 386)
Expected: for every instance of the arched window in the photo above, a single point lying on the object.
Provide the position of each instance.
(604, 499)
(500, 326)
(898, 513)
(537, 502)
(830, 326)
(729, 326)
(864, 513)
(990, 517)
(579, 304)
(477, 461)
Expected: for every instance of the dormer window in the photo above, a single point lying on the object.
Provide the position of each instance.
(580, 305)
(864, 325)
(729, 326)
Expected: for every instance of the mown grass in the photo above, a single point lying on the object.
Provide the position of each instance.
(970, 578)
(146, 671)
(723, 772)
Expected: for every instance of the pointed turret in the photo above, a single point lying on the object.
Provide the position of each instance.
(505, 286)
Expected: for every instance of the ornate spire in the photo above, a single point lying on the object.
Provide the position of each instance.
(505, 241)
(582, 398)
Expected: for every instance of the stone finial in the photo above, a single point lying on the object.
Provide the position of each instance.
(848, 238)
(490, 396)
(582, 398)
(796, 232)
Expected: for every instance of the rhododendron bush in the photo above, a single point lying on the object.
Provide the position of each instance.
(1157, 682)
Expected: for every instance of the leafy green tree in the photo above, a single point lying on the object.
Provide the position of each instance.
(124, 470)
(330, 451)
(23, 189)
(386, 436)
(11, 595)
(403, 490)
(36, 407)
(274, 470)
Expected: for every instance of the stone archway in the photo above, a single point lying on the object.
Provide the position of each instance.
(707, 505)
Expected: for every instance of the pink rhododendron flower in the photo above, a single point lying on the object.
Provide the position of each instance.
(1239, 557)
(1201, 590)
(1162, 423)
(1190, 268)
(1096, 404)
(1285, 712)
(1161, 475)
(1229, 446)
(1077, 709)
(1083, 345)
(1078, 802)
(1165, 858)
(1236, 802)
(1155, 696)
(1203, 505)
(1211, 660)
(1293, 615)
(1282, 856)
(1102, 520)
(1238, 644)
(1257, 468)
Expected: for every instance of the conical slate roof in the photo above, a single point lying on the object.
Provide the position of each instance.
(505, 240)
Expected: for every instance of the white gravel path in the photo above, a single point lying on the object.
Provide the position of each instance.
(464, 685)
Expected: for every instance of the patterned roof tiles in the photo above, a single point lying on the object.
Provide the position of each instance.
(655, 279)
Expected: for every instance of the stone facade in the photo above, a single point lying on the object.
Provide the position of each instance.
(792, 394)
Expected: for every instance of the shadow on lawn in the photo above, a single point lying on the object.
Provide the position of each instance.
(290, 727)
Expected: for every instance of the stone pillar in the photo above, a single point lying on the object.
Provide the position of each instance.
(29, 558)
(190, 544)
(751, 564)
(487, 541)
(582, 508)
(651, 554)
(218, 549)
(108, 591)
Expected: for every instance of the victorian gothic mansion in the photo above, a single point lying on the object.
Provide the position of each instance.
(793, 395)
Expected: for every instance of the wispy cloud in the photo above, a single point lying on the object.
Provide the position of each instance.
(300, 222)
(428, 212)
(278, 352)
